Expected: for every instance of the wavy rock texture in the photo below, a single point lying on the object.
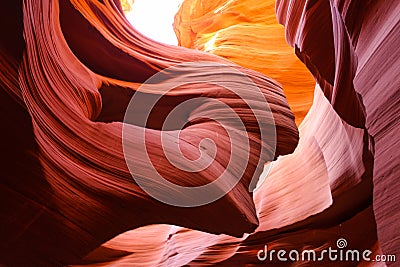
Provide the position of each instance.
(75, 191)
(358, 40)
(247, 33)
(69, 196)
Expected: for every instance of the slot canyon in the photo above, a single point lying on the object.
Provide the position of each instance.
(294, 104)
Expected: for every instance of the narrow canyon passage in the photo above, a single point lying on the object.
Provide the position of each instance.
(309, 87)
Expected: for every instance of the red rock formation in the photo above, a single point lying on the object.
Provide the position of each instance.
(360, 82)
(69, 69)
(82, 192)
(247, 33)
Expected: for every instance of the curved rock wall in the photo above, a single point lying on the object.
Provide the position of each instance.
(247, 33)
(69, 69)
(70, 88)
(360, 82)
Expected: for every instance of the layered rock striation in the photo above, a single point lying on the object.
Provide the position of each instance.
(70, 69)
